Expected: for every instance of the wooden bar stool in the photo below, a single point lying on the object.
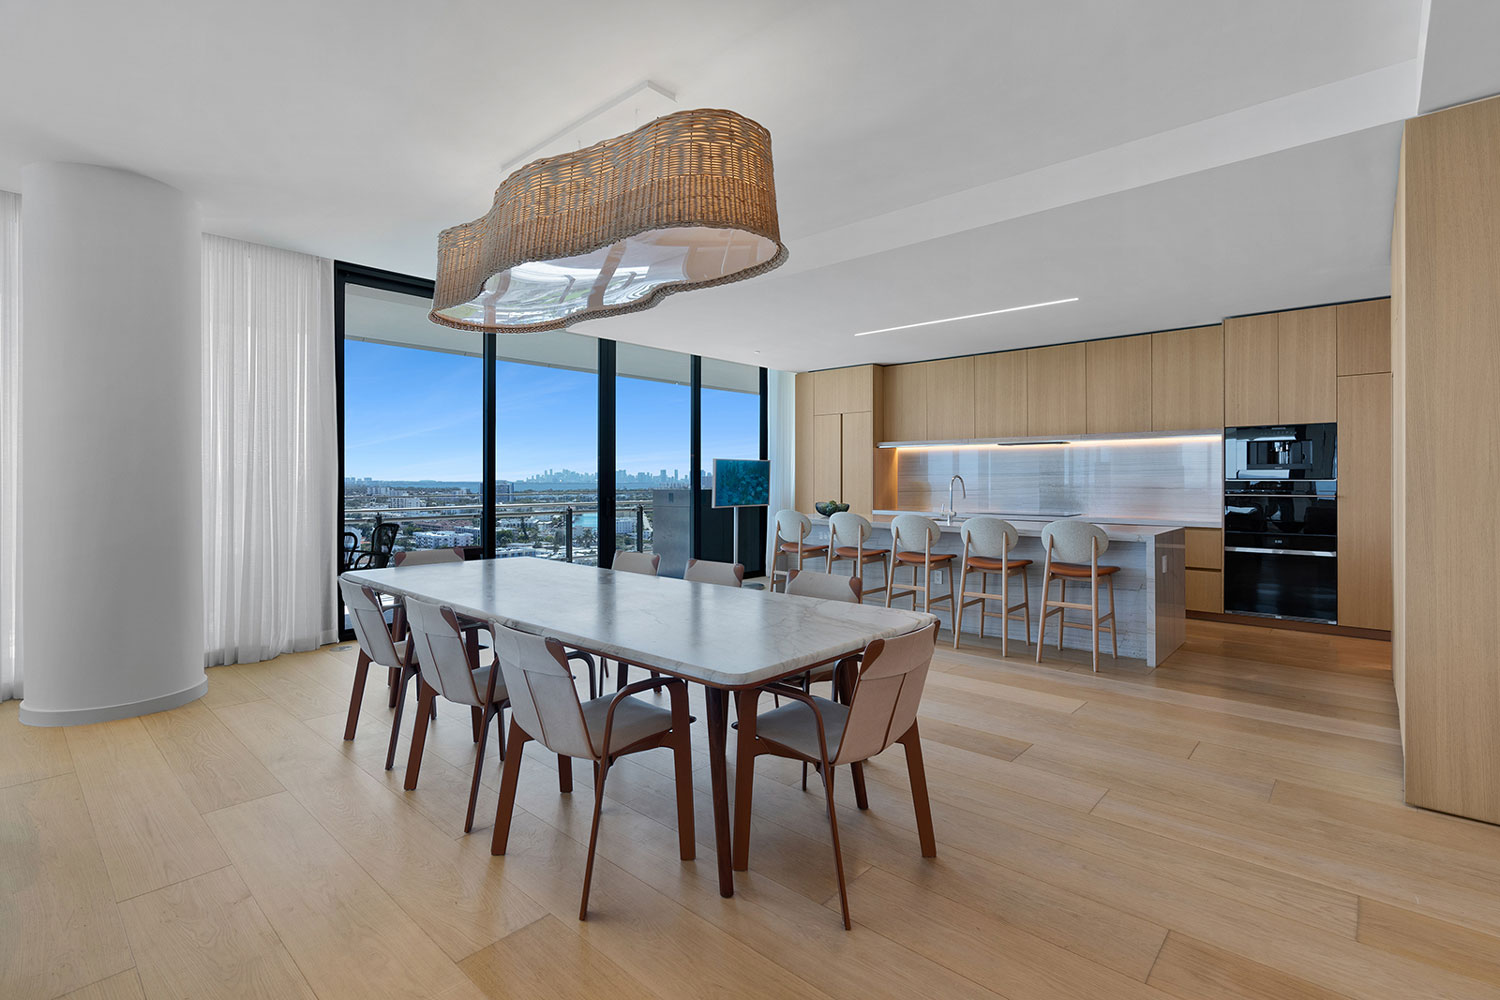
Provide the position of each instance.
(847, 535)
(988, 542)
(911, 530)
(792, 529)
(1073, 550)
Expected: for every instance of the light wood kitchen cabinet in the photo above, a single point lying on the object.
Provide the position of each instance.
(1205, 564)
(1056, 390)
(845, 390)
(1205, 591)
(1307, 366)
(1251, 370)
(828, 460)
(1118, 379)
(857, 462)
(1187, 379)
(1205, 548)
(906, 403)
(1000, 395)
(950, 399)
(1364, 337)
(806, 458)
(1365, 583)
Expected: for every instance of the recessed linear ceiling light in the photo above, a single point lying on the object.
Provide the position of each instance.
(955, 319)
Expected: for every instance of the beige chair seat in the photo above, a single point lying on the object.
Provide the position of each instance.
(635, 720)
(482, 680)
(793, 726)
(1076, 571)
(919, 558)
(997, 565)
(849, 552)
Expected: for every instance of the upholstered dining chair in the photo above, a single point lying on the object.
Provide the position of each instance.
(545, 708)
(792, 529)
(419, 557)
(376, 646)
(720, 574)
(823, 587)
(447, 669)
(471, 626)
(988, 543)
(848, 539)
(881, 710)
(644, 563)
(912, 539)
(1073, 549)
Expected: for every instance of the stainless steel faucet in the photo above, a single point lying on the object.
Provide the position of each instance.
(951, 509)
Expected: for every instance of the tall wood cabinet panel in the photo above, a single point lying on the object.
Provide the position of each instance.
(1450, 356)
(1187, 379)
(1365, 501)
(1251, 370)
(1364, 337)
(1000, 394)
(846, 390)
(1119, 384)
(1056, 390)
(906, 403)
(828, 457)
(857, 462)
(1307, 363)
(950, 399)
(806, 457)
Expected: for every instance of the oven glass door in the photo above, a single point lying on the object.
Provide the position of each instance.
(1281, 583)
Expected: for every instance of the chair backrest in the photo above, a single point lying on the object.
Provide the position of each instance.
(825, 586)
(381, 543)
(543, 700)
(368, 618)
(886, 694)
(792, 525)
(914, 533)
(416, 557)
(989, 537)
(441, 652)
(351, 541)
(722, 574)
(848, 528)
(645, 563)
(1072, 541)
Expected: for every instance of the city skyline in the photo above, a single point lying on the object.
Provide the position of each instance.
(413, 415)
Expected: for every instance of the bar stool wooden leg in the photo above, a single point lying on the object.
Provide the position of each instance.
(1062, 613)
(1114, 643)
(1094, 612)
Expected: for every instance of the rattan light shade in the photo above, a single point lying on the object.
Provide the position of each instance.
(687, 201)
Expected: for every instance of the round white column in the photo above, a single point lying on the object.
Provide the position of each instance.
(111, 570)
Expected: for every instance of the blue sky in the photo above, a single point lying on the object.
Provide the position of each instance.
(411, 414)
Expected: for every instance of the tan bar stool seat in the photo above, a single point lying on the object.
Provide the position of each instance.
(988, 542)
(1073, 549)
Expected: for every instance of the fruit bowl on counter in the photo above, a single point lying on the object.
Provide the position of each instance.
(828, 508)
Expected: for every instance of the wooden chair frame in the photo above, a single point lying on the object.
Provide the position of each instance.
(1059, 606)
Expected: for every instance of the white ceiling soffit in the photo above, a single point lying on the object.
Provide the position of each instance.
(966, 157)
(1462, 55)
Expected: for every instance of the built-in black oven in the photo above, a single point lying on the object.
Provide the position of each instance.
(1281, 521)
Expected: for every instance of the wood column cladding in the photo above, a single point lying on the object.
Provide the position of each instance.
(1446, 362)
(839, 420)
(1364, 455)
(1057, 390)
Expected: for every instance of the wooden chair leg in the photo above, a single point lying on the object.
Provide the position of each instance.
(833, 829)
(917, 777)
(476, 722)
(1094, 606)
(1041, 623)
(407, 673)
(487, 714)
(861, 798)
(744, 778)
(425, 695)
(588, 867)
(357, 696)
(1062, 613)
(508, 781)
(564, 773)
(1114, 642)
(392, 679)
(1026, 599)
(958, 612)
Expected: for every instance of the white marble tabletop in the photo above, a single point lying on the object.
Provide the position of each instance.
(722, 636)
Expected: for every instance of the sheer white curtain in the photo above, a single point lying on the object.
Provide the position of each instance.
(270, 452)
(10, 438)
(781, 417)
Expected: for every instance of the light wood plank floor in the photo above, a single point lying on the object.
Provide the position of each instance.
(1229, 825)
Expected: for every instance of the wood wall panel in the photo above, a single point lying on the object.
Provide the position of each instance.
(950, 399)
(1398, 443)
(858, 462)
(1307, 363)
(1119, 384)
(1056, 390)
(1000, 394)
(1365, 501)
(1450, 367)
(1364, 337)
(906, 403)
(1187, 379)
(828, 461)
(1251, 369)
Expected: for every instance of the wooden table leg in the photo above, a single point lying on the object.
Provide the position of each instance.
(718, 726)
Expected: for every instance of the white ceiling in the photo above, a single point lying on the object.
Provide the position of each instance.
(1167, 161)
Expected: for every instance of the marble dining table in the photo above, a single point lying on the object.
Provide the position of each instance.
(724, 638)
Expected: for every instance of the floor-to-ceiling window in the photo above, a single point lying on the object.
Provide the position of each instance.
(730, 427)
(412, 421)
(547, 446)
(653, 454)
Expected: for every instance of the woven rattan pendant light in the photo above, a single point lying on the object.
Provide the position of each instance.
(687, 201)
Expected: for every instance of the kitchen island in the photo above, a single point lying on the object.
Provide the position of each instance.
(1150, 589)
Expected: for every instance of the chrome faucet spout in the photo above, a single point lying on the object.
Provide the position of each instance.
(952, 510)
